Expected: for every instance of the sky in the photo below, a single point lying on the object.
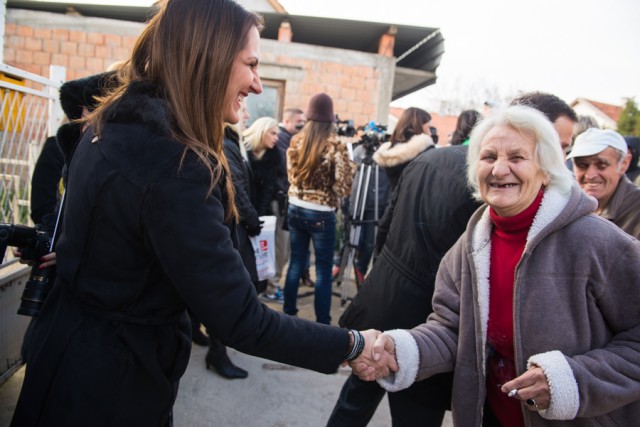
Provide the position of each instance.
(571, 48)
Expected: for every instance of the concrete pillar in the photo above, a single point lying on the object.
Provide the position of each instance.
(3, 17)
(284, 32)
(387, 42)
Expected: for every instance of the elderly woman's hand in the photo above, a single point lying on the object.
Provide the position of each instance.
(531, 387)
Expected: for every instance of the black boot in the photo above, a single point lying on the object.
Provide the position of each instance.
(218, 359)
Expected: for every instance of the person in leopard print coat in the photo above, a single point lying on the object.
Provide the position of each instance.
(320, 173)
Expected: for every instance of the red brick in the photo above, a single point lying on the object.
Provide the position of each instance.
(9, 55)
(51, 46)
(348, 94)
(31, 68)
(129, 41)
(95, 65)
(355, 107)
(86, 49)
(77, 36)
(10, 28)
(31, 43)
(120, 53)
(25, 31)
(42, 33)
(69, 48)
(103, 51)
(42, 58)
(16, 42)
(371, 84)
(24, 56)
(95, 38)
(112, 40)
(76, 62)
(60, 59)
(61, 34)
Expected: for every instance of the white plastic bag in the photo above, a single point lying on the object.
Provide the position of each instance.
(264, 248)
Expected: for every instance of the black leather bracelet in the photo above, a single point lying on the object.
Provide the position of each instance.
(358, 345)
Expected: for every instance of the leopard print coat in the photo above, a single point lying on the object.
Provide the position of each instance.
(330, 181)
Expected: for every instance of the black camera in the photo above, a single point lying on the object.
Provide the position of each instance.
(374, 135)
(33, 244)
(345, 127)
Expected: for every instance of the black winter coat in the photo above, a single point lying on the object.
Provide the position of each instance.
(243, 186)
(265, 179)
(141, 241)
(45, 183)
(429, 210)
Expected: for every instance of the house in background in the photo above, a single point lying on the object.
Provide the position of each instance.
(606, 115)
(363, 66)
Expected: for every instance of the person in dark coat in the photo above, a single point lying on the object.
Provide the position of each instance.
(45, 183)
(149, 229)
(427, 213)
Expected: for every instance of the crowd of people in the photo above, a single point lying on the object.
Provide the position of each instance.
(505, 266)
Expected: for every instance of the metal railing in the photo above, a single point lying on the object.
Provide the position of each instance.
(29, 113)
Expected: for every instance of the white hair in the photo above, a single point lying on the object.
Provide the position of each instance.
(254, 134)
(525, 120)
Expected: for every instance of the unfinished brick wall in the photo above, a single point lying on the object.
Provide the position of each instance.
(355, 89)
(357, 82)
(82, 53)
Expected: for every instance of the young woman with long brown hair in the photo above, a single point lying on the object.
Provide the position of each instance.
(149, 229)
(320, 173)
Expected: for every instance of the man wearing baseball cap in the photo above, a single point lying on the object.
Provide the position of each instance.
(600, 160)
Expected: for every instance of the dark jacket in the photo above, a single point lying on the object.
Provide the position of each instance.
(243, 187)
(428, 211)
(265, 175)
(427, 214)
(45, 183)
(142, 239)
(282, 145)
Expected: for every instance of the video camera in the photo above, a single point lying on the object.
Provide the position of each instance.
(345, 127)
(33, 244)
(374, 135)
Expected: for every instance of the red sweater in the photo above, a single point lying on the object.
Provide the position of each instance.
(508, 239)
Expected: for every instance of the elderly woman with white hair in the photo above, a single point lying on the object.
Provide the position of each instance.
(536, 306)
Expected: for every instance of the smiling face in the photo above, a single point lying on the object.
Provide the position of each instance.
(244, 78)
(509, 176)
(600, 174)
(269, 138)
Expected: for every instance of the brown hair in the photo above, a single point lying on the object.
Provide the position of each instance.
(188, 50)
(314, 137)
(410, 124)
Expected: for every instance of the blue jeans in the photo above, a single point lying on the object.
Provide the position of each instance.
(319, 227)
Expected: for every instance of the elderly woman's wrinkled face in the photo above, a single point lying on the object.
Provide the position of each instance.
(509, 176)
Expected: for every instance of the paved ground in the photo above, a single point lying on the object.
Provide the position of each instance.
(274, 395)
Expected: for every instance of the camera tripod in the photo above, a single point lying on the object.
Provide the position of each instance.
(355, 221)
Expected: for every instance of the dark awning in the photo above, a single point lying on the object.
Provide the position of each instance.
(418, 49)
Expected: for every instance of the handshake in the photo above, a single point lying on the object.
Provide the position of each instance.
(378, 358)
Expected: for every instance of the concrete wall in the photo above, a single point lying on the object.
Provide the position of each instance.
(360, 83)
